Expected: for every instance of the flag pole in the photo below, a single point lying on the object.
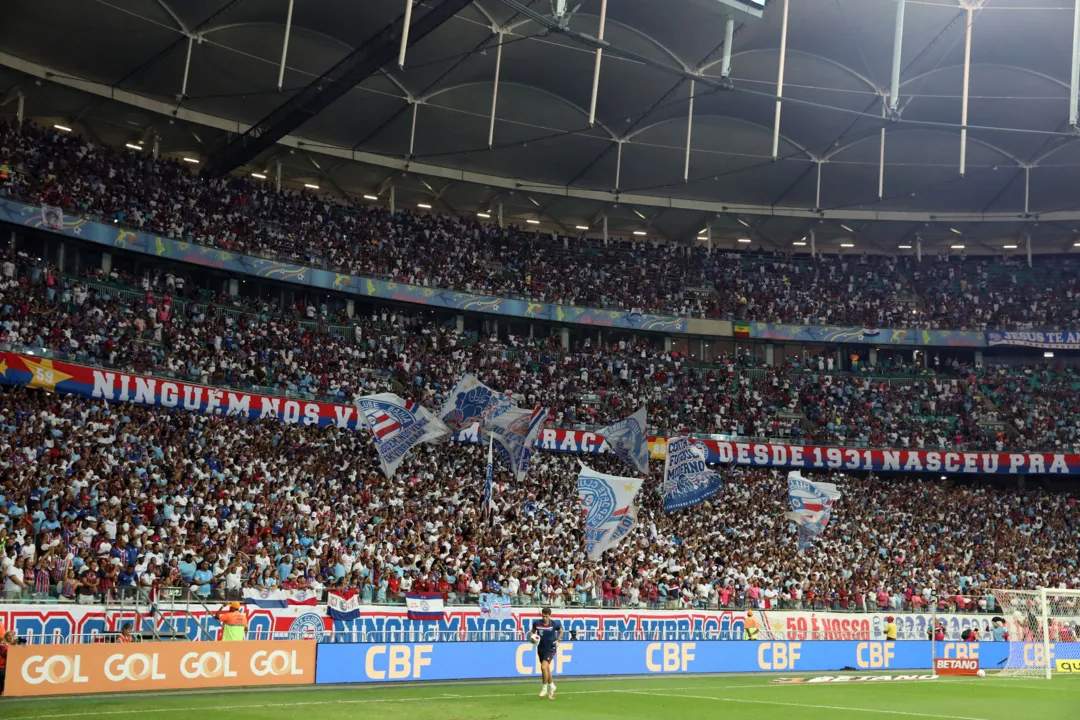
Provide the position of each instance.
(488, 489)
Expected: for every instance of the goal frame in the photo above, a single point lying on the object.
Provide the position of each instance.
(1044, 594)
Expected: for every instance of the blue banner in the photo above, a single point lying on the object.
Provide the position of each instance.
(687, 480)
(497, 606)
(114, 236)
(363, 663)
(629, 440)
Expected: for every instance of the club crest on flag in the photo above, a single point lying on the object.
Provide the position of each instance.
(397, 426)
(608, 507)
(811, 506)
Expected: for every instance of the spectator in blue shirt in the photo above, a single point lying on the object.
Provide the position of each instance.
(203, 578)
(187, 568)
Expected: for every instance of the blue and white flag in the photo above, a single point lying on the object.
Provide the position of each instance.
(687, 480)
(628, 439)
(811, 506)
(398, 425)
(343, 607)
(515, 432)
(468, 403)
(608, 504)
(493, 605)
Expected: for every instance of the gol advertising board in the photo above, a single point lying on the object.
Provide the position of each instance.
(109, 667)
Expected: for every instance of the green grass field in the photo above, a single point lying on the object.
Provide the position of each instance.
(732, 698)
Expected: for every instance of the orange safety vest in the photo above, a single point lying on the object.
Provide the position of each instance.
(234, 618)
(122, 639)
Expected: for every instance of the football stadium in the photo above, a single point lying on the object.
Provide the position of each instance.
(531, 358)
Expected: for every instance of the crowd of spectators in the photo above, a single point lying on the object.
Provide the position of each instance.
(243, 343)
(102, 498)
(168, 198)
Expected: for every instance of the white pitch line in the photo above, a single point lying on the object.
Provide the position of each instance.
(800, 705)
(308, 703)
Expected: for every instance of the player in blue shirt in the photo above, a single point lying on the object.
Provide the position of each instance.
(546, 634)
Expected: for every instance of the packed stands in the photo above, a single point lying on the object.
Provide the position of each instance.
(98, 498)
(165, 197)
(245, 344)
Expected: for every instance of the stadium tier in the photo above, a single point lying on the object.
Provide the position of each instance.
(98, 497)
(241, 214)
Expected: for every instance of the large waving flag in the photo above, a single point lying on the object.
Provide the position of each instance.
(424, 606)
(628, 439)
(468, 403)
(610, 512)
(687, 480)
(398, 425)
(811, 506)
(515, 432)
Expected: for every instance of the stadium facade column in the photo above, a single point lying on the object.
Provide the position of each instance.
(978, 358)
(605, 230)
(106, 259)
(501, 216)
(393, 199)
(873, 357)
(770, 355)
(277, 176)
(564, 337)
(61, 256)
(234, 287)
(813, 233)
(667, 343)
(1027, 245)
(20, 109)
(350, 308)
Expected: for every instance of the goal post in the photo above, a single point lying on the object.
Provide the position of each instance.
(1043, 631)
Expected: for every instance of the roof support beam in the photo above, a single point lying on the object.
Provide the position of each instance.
(780, 81)
(176, 18)
(192, 119)
(405, 34)
(964, 100)
(689, 131)
(881, 157)
(187, 68)
(356, 67)
(495, 91)
(596, 67)
(897, 53)
(1074, 86)
(285, 46)
(729, 35)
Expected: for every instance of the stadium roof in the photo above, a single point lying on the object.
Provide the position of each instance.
(112, 67)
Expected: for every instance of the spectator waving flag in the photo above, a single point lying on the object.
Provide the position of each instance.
(343, 605)
(607, 502)
(811, 506)
(515, 432)
(687, 480)
(628, 439)
(398, 426)
(424, 605)
(468, 403)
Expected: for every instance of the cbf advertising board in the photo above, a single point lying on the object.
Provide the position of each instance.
(366, 663)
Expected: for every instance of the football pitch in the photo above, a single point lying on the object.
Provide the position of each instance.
(734, 697)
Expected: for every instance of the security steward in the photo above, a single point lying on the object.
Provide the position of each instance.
(233, 621)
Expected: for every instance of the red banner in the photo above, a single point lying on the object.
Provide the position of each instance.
(96, 383)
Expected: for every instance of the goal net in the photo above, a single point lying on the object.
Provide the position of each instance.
(1043, 631)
